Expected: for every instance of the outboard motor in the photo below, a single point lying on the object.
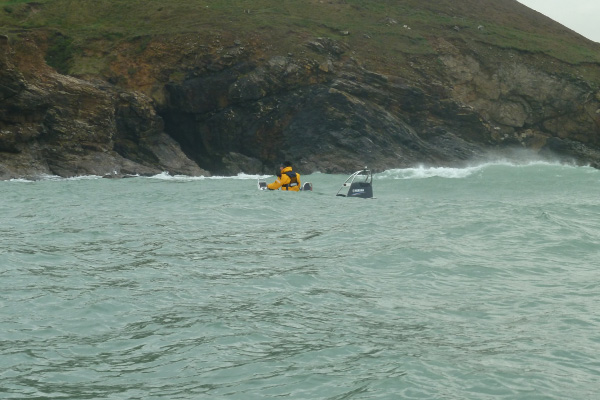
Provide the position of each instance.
(359, 184)
(307, 186)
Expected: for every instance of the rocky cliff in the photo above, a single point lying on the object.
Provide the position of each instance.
(226, 103)
(334, 117)
(53, 124)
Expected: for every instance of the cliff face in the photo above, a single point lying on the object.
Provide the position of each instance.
(335, 116)
(527, 105)
(329, 117)
(187, 105)
(53, 124)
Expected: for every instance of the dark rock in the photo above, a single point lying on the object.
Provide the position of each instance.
(51, 124)
(329, 125)
(235, 163)
(327, 46)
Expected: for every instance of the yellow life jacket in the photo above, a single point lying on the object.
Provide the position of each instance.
(288, 180)
(294, 183)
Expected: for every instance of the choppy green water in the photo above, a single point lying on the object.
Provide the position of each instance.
(476, 283)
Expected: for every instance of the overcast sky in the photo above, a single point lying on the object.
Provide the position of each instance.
(582, 16)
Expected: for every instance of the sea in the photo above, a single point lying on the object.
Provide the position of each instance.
(478, 282)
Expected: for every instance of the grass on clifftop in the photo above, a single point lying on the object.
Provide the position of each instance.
(381, 31)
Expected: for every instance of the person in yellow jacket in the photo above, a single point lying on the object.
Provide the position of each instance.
(287, 179)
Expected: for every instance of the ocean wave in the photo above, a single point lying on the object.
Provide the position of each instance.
(416, 172)
(20, 180)
(165, 176)
(242, 176)
(46, 178)
(423, 171)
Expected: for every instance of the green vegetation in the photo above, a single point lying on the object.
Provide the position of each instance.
(382, 31)
(566, 50)
(60, 53)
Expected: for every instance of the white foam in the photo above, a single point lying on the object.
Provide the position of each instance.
(45, 177)
(423, 172)
(83, 178)
(246, 176)
(20, 180)
(166, 176)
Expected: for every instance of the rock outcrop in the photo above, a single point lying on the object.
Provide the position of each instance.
(324, 120)
(53, 124)
(524, 104)
(337, 116)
